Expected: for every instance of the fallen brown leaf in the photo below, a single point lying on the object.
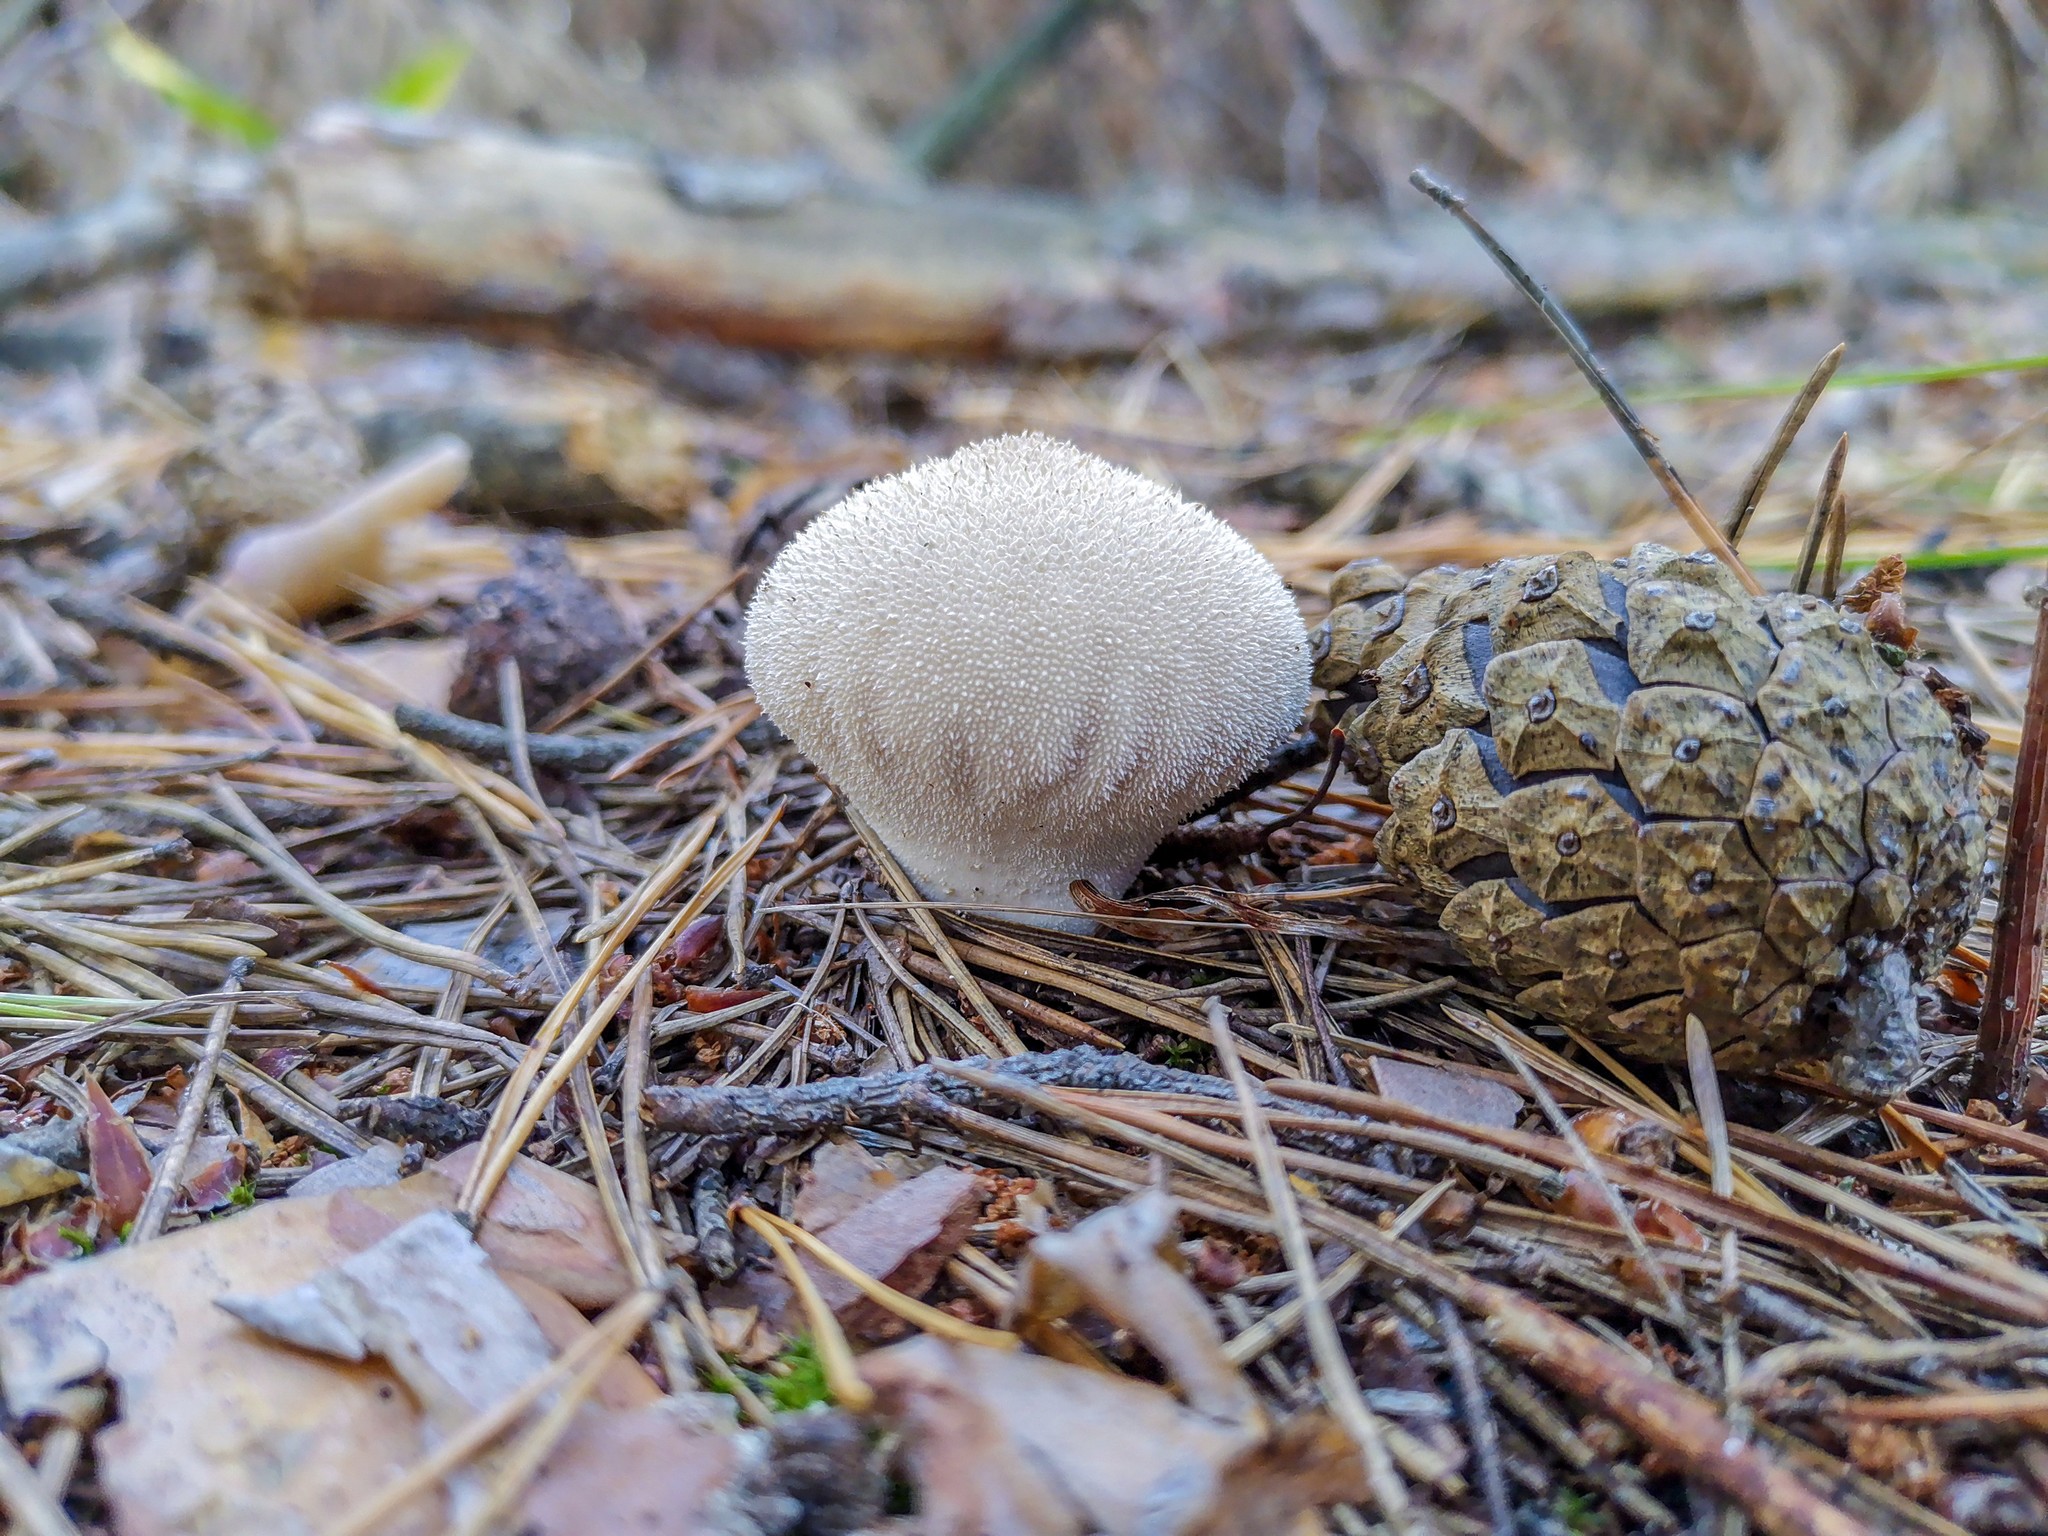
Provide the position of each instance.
(120, 1166)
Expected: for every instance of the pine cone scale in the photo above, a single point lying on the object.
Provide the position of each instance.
(1641, 793)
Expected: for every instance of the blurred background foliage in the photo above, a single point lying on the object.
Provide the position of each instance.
(1870, 106)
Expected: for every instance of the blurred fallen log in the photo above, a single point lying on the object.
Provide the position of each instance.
(52, 257)
(529, 239)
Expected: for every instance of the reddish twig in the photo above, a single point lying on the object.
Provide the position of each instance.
(2012, 990)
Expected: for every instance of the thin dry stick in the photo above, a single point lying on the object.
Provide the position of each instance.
(2012, 990)
(35, 1508)
(1951, 1407)
(1759, 481)
(1706, 1093)
(1603, 385)
(1823, 511)
(170, 1168)
(1479, 1420)
(609, 1333)
(1340, 1385)
(1319, 1014)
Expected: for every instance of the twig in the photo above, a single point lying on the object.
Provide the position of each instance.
(568, 754)
(1951, 1407)
(44, 258)
(1823, 512)
(1319, 1015)
(2012, 990)
(170, 1168)
(709, 1199)
(1610, 395)
(1759, 481)
(1339, 1381)
(732, 1113)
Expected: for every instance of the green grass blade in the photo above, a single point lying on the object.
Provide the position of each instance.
(424, 82)
(204, 103)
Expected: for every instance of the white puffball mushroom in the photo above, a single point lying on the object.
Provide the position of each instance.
(1024, 665)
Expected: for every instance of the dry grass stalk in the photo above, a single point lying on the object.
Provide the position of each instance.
(1759, 478)
(2012, 989)
(1581, 351)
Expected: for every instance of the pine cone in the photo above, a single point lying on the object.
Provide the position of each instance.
(1642, 793)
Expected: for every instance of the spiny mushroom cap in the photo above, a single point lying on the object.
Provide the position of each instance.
(1025, 665)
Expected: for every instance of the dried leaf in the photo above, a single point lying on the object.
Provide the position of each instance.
(1006, 1444)
(120, 1166)
(213, 1169)
(652, 1470)
(222, 1430)
(426, 1301)
(842, 1177)
(903, 1237)
(1116, 1261)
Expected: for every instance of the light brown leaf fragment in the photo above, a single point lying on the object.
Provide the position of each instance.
(902, 1237)
(222, 1430)
(1464, 1098)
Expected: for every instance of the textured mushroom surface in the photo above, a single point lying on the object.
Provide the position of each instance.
(1641, 792)
(1024, 665)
